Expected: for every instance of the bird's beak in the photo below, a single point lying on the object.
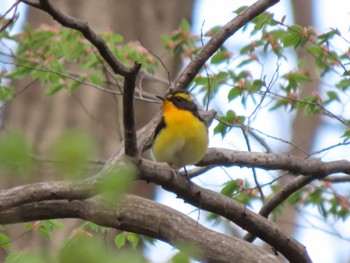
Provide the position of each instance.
(160, 97)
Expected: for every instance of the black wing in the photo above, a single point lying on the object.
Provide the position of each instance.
(160, 126)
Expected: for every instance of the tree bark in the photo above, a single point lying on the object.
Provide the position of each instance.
(143, 216)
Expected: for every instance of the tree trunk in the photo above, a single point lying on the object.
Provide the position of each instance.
(304, 127)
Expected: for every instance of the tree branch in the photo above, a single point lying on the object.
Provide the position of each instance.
(279, 197)
(88, 33)
(144, 217)
(130, 142)
(36, 192)
(163, 175)
(191, 70)
(311, 166)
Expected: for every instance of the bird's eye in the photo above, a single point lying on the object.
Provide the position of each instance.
(178, 98)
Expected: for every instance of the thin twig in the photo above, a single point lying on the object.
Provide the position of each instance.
(13, 18)
(245, 134)
(206, 72)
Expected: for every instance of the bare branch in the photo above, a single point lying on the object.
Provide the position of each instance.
(46, 191)
(338, 179)
(279, 197)
(191, 70)
(145, 217)
(234, 211)
(30, 3)
(311, 166)
(163, 175)
(130, 142)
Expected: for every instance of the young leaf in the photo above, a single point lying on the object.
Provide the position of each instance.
(133, 239)
(6, 93)
(120, 240)
(72, 152)
(234, 93)
(54, 89)
(220, 56)
(15, 153)
(5, 242)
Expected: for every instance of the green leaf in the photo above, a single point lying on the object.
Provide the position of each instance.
(346, 73)
(261, 21)
(283, 19)
(5, 241)
(245, 197)
(120, 240)
(45, 227)
(15, 257)
(315, 50)
(245, 62)
(92, 226)
(256, 85)
(75, 85)
(246, 49)
(295, 198)
(6, 93)
(346, 134)
(220, 56)
(231, 187)
(92, 250)
(234, 93)
(185, 26)
(316, 197)
(27, 258)
(200, 80)
(240, 10)
(310, 105)
(221, 129)
(71, 152)
(327, 36)
(332, 95)
(279, 103)
(295, 79)
(96, 79)
(113, 38)
(15, 153)
(343, 84)
(293, 37)
(53, 89)
(133, 239)
(118, 180)
(180, 257)
(91, 62)
(186, 250)
(227, 121)
(20, 72)
(213, 31)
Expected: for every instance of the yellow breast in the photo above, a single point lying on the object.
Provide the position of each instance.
(184, 139)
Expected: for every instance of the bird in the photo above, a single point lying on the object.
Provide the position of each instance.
(181, 137)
